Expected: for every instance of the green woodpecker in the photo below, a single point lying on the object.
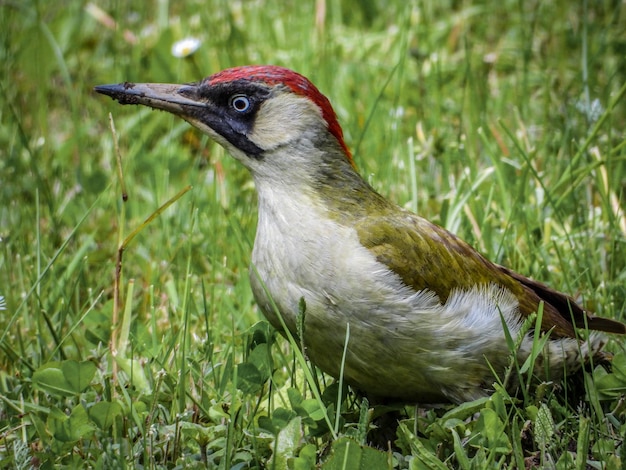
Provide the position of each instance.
(425, 311)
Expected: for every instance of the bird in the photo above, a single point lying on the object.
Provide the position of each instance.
(402, 309)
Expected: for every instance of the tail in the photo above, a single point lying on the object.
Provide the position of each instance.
(565, 356)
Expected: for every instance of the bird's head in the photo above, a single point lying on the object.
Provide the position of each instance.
(270, 118)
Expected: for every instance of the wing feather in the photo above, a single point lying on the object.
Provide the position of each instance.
(440, 261)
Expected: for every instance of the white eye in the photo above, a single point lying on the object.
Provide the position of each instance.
(240, 103)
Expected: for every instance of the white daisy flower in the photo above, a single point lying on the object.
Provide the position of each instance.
(3, 303)
(185, 47)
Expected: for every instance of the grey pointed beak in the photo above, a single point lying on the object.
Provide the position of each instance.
(176, 99)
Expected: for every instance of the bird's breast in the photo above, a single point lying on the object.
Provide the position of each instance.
(352, 297)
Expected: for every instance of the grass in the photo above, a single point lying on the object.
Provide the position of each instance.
(502, 121)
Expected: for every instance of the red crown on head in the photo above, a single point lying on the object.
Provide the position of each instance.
(299, 84)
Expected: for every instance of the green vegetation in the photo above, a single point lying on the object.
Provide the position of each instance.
(503, 121)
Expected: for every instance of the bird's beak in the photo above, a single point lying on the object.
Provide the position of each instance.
(181, 100)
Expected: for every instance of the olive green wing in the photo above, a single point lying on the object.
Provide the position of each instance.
(567, 306)
(427, 256)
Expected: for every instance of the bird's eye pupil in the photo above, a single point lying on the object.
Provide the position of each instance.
(240, 103)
